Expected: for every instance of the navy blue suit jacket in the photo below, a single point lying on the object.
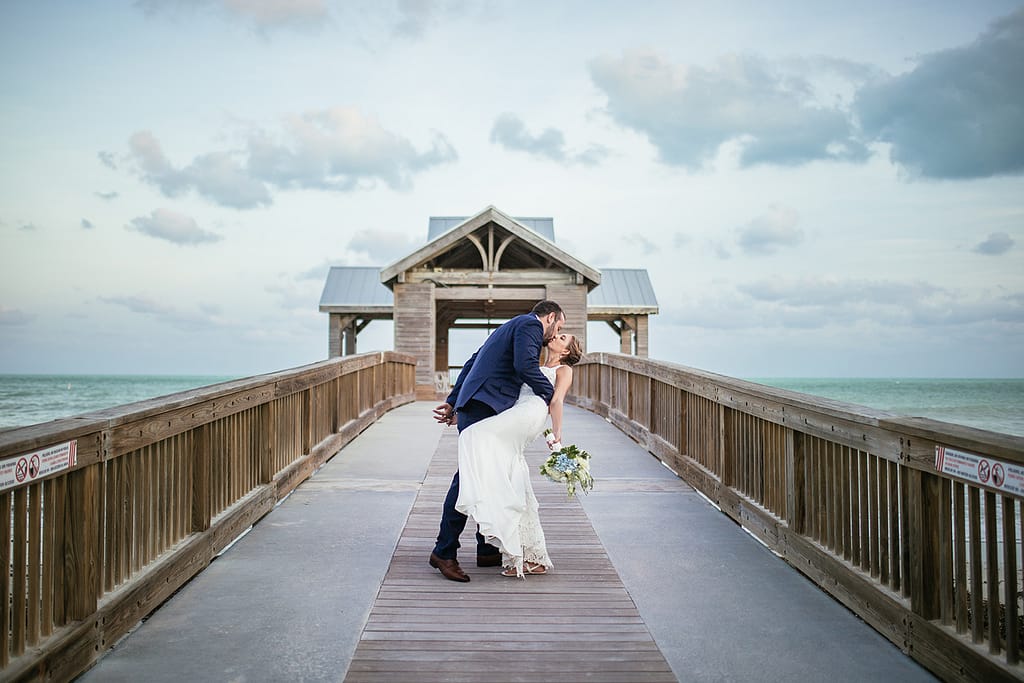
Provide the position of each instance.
(508, 359)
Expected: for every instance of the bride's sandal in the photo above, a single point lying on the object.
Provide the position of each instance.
(511, 573)
(534, 568)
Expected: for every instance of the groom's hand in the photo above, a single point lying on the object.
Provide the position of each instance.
(444, 414)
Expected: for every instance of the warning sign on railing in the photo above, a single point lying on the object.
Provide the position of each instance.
(25, 469)
(993, 473)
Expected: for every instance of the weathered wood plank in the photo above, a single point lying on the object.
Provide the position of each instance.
(582, 624)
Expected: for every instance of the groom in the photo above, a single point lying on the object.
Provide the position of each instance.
(488, 384)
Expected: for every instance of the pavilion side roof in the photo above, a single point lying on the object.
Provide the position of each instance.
(358, 288)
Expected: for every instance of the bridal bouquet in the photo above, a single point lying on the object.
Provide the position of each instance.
(567, 464)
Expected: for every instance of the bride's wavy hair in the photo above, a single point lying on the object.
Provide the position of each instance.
(573, 352)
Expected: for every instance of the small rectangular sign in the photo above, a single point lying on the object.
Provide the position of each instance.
(24, 469)
(980, 469)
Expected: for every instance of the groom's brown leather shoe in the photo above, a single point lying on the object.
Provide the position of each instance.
(492, 560)
(449, 568)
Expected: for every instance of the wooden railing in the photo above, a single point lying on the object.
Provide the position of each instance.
(852, 497)
(108, 513)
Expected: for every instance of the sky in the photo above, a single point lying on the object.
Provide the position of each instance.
(816, 189)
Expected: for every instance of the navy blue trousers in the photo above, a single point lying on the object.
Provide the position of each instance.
(453, 522)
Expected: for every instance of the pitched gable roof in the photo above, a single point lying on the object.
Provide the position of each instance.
(462, 233)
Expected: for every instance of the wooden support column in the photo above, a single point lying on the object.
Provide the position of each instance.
(414, 331)
(625, 338)
(350, 338)
(573, 300)
(441, 357)
(334, 335)
(641, 336)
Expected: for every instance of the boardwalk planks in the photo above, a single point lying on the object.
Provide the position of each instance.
(577, 623)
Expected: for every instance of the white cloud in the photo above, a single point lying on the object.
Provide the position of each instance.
(767, 233)
(689, 112)
(995, 244)
(106, 196)
(217, 176)
(957, 114)
(87, 224)
(338, 149)
(510, 132)
(173, 227)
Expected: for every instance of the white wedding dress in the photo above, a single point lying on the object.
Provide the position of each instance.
(494, 479)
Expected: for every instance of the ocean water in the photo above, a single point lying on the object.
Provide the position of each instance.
(30, 399)
(994, 404)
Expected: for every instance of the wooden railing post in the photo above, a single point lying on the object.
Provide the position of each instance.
(201, 475)
(796, 494)
(725, 454)
(82, 517)
(307, 420)
(268, 441)
(925, 547)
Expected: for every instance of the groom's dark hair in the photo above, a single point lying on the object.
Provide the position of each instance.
(545, 307)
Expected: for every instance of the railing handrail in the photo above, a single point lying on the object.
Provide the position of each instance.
(144, 495)
(851, 496)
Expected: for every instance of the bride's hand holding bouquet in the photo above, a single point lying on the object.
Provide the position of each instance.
(567, 464)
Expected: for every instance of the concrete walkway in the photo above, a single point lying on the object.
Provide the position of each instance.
(289, 601)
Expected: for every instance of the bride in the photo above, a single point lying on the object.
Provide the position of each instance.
(495, 484)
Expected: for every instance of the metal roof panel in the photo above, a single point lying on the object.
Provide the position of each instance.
(355, 286)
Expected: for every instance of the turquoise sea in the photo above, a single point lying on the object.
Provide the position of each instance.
(30, 399)
(995, 404)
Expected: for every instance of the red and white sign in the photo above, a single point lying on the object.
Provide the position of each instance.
(27, 468)
(996, 474)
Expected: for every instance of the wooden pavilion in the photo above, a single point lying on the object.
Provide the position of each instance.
(471, 272)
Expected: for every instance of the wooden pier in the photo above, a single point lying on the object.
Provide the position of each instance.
(330, 469)
(576, 623)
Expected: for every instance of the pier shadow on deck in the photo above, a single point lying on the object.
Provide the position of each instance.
(334, 582)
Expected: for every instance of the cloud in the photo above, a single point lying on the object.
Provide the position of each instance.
(107, 159)
(12, 317)
(173, 227)
(206, 318)
(957, 114)
(87, 224)
(817, 303)
(336, 149)
(766, 234)
(106, 196)
(262, 14)
(995, 244)
(216, 176)
(510, 132)
(689, 112)
(28, 227)
(339, 149)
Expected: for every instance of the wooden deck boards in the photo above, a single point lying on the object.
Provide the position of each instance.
(577, 623)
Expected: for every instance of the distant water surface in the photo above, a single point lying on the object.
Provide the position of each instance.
(29, 399)
(994, 404)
